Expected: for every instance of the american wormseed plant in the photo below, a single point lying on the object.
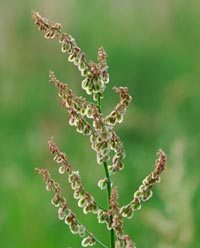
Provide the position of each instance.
(89, 120)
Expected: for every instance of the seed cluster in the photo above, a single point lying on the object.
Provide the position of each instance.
(64, 212)
(117, 115)
(85, 199)
(145, 192)
(95, 74)
(123, 240)
(103, 137)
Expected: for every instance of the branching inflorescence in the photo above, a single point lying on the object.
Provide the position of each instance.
(89, 120)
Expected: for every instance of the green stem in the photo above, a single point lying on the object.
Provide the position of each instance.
(97, 240)
(112, 234)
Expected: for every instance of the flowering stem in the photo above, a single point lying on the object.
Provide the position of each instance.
(112, 234)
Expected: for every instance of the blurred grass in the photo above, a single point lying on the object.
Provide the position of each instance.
(153, 48)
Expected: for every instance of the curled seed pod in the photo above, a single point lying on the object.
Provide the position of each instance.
(72, 121)
(119, 118)
(61, 213)
(82, 202)
(74, 176)
(136, 205)
(137, 194)
(90, 208)
(85, 72)
(49, 185)
(87, 130)
(75, 184)
(94, 208)
(88, 241)
(64, 47)
(102, 183)
(106, 78)
(69, 218)
(67, 213)
(89, 114)
(56, 200)
(89, 90)
(127, 211)
(154, 174)
(82, 231)
(58, 159)
(57, 26)
(86, 209)
(77, 59)
(80, 126)
(119, 243)
(142, 188)
(74, 228)
(72, 57)
(100, 158)
(79, 193)
(95, 96)
(62, 169)
(102, 216)
(50, 34)
(81, 66)
(158, 180)
(147, 195)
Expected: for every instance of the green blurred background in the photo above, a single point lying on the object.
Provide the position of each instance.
(154, 49)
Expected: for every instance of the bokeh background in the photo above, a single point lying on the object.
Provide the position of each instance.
(154, 49)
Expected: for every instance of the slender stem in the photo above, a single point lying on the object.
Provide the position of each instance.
(112, 234)
(97, 240)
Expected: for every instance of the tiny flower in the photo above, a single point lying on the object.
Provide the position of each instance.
(82, 231)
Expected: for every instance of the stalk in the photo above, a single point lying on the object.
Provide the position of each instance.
(112, 234)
